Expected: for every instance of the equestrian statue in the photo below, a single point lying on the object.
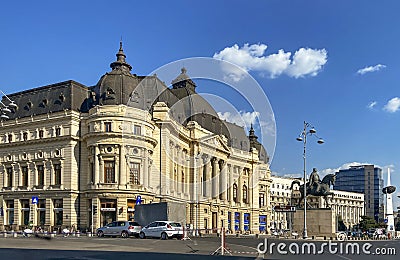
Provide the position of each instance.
(316, 187)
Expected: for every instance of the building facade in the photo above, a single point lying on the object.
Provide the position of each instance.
(77, 155)
(281, 195)
(366, 179)
(349, 206)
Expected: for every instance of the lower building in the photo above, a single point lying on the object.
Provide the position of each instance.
(348, 206)
(281, 195)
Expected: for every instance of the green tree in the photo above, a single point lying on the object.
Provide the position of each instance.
(341, 225)
(367, 223)
(397, 226)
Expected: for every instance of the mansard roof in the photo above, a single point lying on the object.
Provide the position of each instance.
(120, 86)
(67, 95)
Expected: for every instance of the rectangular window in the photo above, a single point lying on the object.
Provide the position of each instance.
(137, 130)
(57, 174)
(234, 192)
(245, 194)
(25, 176)
(92, 172)
(25, 136)
(261, 200)
(58, 212)
(40, 172)
(107, 126)
(10, 138)
(109, 172)
(58, 131)
(134, 176)
(41, 133)
(9, 177)
(25, 211)
(10, 212)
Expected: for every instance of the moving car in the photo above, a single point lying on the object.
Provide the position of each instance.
(120, 228)
(162, 229)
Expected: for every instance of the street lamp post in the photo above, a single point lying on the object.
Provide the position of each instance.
(308, 130)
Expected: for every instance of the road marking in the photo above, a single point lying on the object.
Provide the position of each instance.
(343, 257)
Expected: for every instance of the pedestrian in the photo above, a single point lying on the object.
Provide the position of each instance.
(65, 232)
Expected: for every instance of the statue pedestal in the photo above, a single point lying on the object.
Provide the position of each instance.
(320, 222)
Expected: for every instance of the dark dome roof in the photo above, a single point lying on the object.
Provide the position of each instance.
(115, 86)
(119, 86)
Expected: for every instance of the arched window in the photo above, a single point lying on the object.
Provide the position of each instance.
(244, 193)
(234, 192)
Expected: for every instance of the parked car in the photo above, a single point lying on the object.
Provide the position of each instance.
(162, 229)
(120, 228)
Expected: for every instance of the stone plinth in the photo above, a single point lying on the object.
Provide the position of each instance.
(320, 222)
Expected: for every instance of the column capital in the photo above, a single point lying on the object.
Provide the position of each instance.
(214, 160)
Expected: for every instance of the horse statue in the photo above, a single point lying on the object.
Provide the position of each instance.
(320, 188)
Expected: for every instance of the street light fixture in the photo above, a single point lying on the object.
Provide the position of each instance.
(308, 130)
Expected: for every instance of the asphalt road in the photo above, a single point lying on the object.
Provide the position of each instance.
(196, 248)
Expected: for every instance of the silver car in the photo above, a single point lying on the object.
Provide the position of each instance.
(162, 229)
(120, 228)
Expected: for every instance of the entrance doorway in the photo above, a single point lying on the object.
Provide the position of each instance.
(108, 211)
(214, 222)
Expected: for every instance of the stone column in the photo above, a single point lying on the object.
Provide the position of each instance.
(14, 176)
(4, 176)
(123, 166)
(52, 171)
(96, 165)
(149, 168)
(222, 180)
(241, 223)
(32, 170)
(205, 176)
(230, 183)
(179, 169)
(144, 170)
(19, 170)
(240, 186)
(101, 169)
(209, 179)
(117, 171)
(214, 192)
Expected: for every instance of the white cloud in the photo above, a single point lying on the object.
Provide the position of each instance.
(371, 69)
(243, 118)
(392, 105)
(305, 62)
(372, 104)
(342, 167)
(347, 166)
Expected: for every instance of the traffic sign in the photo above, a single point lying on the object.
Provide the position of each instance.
(284, 208)
(138, 200)
(35, 200)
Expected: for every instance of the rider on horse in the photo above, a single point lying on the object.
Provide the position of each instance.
(314, 180)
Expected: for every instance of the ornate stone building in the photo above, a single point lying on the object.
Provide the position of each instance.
(281, 195)
(90, 154)
(349, 206)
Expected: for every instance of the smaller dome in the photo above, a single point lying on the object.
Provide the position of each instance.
(120, 64)
(116, 86)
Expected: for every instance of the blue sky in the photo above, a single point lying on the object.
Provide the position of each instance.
(344, 80)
